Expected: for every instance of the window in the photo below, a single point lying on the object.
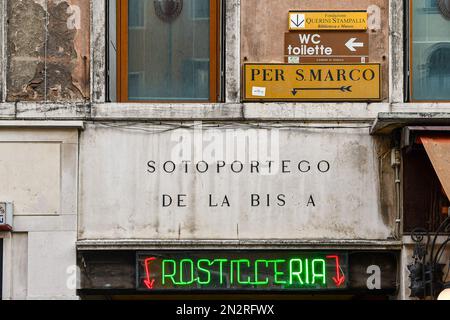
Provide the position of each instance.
(429, 50)
(136, 14)
(200, 9)
(431, 6)
(168, 50)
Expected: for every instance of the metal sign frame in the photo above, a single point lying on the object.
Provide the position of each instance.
(358, 39)
(294, 99)
(367, 271)
(344, 268)
(325, 11)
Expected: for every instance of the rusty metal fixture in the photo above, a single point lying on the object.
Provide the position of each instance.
(444, 7)
(426, 271)
(168, 10)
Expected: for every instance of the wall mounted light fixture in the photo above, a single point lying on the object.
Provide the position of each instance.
(445, 295)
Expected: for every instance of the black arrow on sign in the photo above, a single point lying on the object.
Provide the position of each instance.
(297, 23)
(343, 89)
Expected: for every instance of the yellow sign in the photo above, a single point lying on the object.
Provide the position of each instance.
(327, 20)
(312, 82)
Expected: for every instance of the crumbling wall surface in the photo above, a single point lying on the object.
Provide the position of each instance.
(48, 50)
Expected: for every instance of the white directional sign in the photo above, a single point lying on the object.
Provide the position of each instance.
(352, 44)
(326, 47)
(327, 20)
(297, 21)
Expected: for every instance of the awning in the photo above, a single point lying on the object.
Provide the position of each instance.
(438, 150)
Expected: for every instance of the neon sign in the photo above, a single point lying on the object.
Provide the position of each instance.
(243, 270)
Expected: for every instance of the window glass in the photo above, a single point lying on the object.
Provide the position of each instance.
(430, 58)
(168, 50)
(136, 14)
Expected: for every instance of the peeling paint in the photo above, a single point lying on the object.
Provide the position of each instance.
(48, 60)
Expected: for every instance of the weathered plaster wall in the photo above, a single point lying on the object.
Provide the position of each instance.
(232, 51)
(264, 22)
(39, 175)
(348, 196)
(48, 50)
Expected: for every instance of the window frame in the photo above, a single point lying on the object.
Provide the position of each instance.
(214, 58)
(410, 59)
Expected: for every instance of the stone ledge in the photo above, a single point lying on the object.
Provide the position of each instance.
(282, 111)
(388, 122)
(319, 244)
(41, 124)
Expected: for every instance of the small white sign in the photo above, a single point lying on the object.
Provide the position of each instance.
(2, 213)
(2, 208)
(294, 59)
(259, 92)
(6, 215)
(297, 21)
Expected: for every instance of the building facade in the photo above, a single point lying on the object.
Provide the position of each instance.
(169, 147)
